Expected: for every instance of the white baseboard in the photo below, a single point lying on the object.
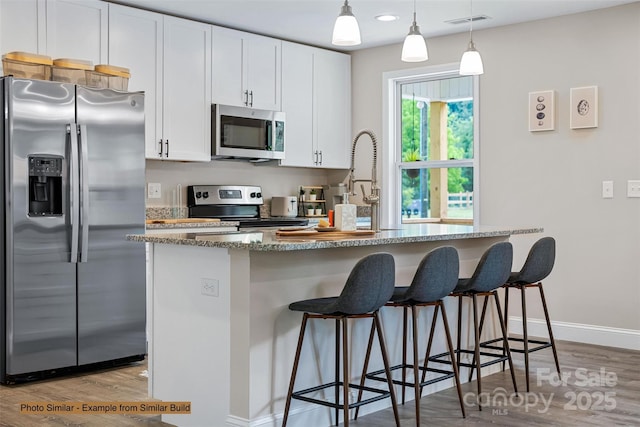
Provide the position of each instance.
(577, 332)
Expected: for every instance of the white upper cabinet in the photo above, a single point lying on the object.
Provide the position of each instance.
(170, 60)
(19, 26)
(316, 98)
(332, 108)
(135, 42)
(78, 29)
(246, 69)
(186, 126)
(297, 103)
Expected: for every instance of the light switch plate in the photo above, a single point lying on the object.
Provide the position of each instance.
(154, 190)
(633, 188)
(607, 189)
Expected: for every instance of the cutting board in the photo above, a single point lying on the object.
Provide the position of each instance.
(181, 220)
(326, 234)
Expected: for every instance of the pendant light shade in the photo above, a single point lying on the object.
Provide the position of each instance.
(346, 31)
(471, 62)
(414, 48)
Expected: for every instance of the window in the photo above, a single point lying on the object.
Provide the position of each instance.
(433, 132)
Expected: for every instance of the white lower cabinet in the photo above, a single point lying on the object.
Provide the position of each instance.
(316, 98)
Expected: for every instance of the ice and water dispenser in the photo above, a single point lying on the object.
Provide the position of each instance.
(45, 185)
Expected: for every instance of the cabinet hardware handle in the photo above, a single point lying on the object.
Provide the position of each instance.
(320, 156)
(166, 144)
(251, 102)
(161, 151)
(246, 97)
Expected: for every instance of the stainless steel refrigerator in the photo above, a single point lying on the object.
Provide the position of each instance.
(73, 291)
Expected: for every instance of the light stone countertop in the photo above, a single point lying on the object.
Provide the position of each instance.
(266, 240)
(151, 227)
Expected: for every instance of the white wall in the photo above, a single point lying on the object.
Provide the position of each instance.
(552, 179)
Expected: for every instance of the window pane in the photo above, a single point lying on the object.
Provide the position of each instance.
(437, 119)
(423, 196)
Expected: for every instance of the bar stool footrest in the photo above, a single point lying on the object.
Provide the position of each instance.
(445, 375)
(541, 344)
(498, 358)
(299, 395)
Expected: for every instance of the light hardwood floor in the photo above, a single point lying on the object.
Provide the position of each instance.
(598, 378)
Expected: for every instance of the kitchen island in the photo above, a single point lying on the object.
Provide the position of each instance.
(221, 334)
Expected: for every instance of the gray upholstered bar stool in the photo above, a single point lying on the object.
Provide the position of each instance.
(435, 278)
(490, 274)
(369, 286)
(536, 267)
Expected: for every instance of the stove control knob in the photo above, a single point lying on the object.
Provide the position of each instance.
(252, 195)
(198, 194)
(258, 195)
(205, 195)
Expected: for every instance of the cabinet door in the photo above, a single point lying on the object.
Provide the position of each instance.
(227, 67)
(332, 108)
(297, 103)
(135, 42)
(77, 29)
(262, 68)
(19, 20)
(187, 90)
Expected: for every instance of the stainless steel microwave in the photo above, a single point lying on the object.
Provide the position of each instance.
(240, 132)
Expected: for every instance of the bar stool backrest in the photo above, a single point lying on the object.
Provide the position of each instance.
(369, 286)
(493, 270)
(539, 262)
(436, 276)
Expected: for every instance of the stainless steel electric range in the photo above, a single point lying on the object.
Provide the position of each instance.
(234, 203)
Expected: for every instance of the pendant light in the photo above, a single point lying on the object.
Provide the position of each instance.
(346, 31)
(414, 48)
(471, 62)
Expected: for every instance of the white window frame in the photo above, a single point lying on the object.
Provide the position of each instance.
(392, 166)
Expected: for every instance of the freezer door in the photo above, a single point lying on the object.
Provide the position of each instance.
(40, 281)
(111, 271)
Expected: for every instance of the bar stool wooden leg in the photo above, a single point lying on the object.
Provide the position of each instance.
(337, 371)
(506, 317)
(404, 350)
(366, 366)
(525, 334)
(476, 347)
(416, 370)
(345, 373)
(551, 339)
(451, 352)
(505, 340)
(430, 342)
(385, 360)
(295, 369)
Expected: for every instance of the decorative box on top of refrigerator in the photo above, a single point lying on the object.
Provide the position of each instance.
(109, 76)
(68, 70)
(27, 65)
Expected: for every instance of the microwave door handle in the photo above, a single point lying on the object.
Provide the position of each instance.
(84, 197)
(74, 193)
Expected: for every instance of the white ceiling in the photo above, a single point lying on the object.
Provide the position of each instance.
(311, 21)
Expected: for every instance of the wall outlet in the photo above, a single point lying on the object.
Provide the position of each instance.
(154, 190)
(633, 188)
(607, 189)
(210, 287)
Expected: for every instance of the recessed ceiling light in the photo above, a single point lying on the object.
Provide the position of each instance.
(387, 18)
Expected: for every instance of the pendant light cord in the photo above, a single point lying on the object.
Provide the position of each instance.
(470, 20)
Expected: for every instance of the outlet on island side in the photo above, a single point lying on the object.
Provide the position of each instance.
(210, 287)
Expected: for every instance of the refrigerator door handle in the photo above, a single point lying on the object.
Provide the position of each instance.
(74, 194)
(84, 195)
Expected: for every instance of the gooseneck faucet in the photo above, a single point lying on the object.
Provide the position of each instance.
(372, 199)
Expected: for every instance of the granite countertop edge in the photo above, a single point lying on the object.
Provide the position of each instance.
(192, 225)
(267, 241)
